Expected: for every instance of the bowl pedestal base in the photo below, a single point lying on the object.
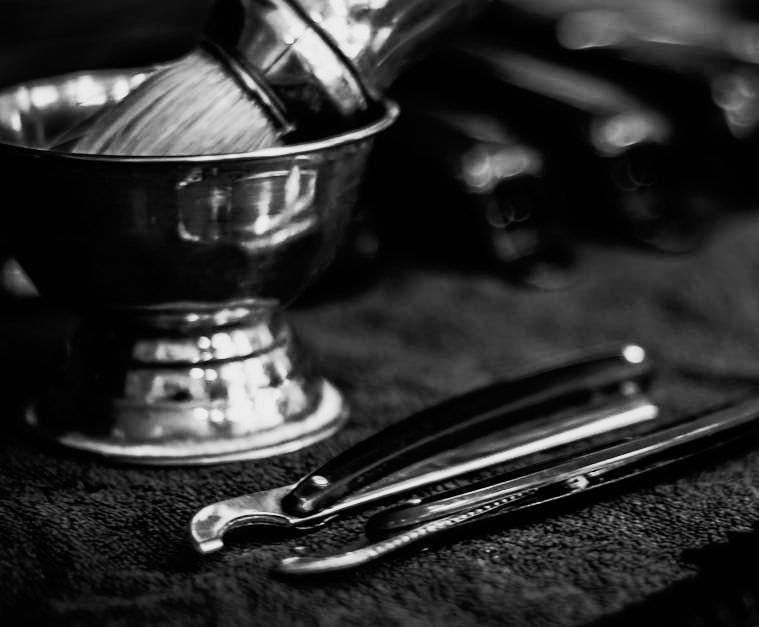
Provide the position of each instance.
(177, 388)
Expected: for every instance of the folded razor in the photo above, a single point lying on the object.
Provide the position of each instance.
(413, 523)
(572, 401)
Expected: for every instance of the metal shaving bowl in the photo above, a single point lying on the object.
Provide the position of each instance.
(179, 268)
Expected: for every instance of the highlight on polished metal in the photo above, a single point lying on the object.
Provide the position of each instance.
(178, 267)
(210, 524)
(600, 392)
(341, 52)
(410, 524)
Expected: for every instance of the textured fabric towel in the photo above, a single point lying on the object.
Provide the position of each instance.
(88, 543)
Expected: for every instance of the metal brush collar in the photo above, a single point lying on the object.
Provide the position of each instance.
(290, 65)
(321, 64)
(254, 84)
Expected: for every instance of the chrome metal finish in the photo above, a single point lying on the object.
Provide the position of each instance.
(309, 76)
(380, 37)
(327, 60)
(226, 394)
(492, 452)
(178, 267)
(209, 525)
(608, 465)
(364, 551)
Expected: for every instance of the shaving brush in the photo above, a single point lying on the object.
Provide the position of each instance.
(272, 72)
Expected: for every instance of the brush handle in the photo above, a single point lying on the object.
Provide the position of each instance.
(381, 38)
(325, 62)
(40, 38)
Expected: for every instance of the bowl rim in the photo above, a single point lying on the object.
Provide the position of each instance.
(388, 109)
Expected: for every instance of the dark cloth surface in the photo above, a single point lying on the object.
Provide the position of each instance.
(85, 542)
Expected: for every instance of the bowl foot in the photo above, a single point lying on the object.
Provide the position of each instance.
(236, 392)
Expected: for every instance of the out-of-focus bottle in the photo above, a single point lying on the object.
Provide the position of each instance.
(465, 190)
(624, 173)
(695, 59)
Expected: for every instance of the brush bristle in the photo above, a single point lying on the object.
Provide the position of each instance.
(190, 107)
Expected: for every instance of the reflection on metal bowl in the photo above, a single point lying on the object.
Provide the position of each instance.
(190, 257)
